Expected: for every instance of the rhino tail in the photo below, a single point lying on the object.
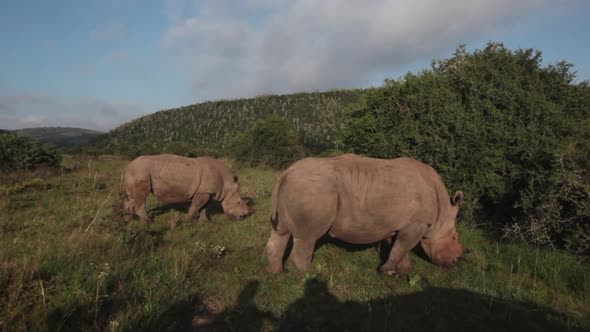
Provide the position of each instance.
(274, 216)
(122, 180)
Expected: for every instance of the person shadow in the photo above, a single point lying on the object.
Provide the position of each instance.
(318, 309)
(245, 315)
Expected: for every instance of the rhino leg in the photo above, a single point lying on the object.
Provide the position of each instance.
(198, 202)
(405, 266)
(204, 215)
(275, 249)
(302, 253)
(137, 192)
(141, 210)
(399, 261)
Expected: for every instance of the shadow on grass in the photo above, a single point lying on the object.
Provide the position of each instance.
(167, 207)
(433, 309)
(382, 248)
(213, 207)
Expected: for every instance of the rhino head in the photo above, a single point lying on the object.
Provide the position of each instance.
(442, 245)
(233, 205)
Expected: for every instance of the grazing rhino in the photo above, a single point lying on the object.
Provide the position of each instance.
(363, 200)
(175, 179)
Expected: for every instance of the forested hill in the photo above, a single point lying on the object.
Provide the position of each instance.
(60, 136)
(316, 117)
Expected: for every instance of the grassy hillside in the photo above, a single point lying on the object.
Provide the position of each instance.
(316, 117)
(60, 136)
(69, 262)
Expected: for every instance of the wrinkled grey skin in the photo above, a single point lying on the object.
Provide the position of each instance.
(175, 179)
(364, 200)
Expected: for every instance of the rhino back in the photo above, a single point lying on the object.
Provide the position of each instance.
(380, 197)
(177, 179)
(374, 197)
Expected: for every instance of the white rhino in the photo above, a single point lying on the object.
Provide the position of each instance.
(175, 179)
(364, 200)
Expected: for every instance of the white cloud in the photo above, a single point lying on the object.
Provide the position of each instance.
(235, 48)
(31, 120)
(11, 102)
(30, 109)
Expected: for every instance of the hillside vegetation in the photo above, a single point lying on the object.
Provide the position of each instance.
(70, 262)
(316, 117)
(63, 137)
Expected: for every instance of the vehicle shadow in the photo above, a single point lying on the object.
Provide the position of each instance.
(432, 309)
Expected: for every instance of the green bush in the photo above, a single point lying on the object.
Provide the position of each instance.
(270, 142)
(496, 124)
(22, 153)
(178, 148)
(556, 209)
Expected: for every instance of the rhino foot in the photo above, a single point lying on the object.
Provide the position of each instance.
(405, 266)
(402, 269)
(204, 217)
(275, 269)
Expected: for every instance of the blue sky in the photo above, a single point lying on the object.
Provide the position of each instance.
(99, 63)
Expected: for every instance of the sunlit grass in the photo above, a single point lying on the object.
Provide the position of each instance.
(68, 264)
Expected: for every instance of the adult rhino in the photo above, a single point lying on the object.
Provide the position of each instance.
(364, 200)
(175, 179)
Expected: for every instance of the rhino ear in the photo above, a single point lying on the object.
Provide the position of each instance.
(236, 179)
(457, 198)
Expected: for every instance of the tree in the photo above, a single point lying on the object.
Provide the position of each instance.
(22, 153)
(270, 142)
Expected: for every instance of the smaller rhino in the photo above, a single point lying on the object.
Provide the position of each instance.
(175, 179)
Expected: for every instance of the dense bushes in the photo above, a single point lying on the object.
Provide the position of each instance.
(187, 150)
(270, 142)
(22, 153)
(495, 123)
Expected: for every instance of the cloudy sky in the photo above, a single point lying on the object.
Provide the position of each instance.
(99, 63)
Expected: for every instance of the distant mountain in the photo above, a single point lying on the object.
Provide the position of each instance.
(316, 117)
(60, 136)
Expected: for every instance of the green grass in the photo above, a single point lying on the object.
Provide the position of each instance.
(66, 263)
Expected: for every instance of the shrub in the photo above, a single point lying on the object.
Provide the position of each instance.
(556, 209)
(495, 124)
(178, 148)
(270, 142)
(23, 153)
